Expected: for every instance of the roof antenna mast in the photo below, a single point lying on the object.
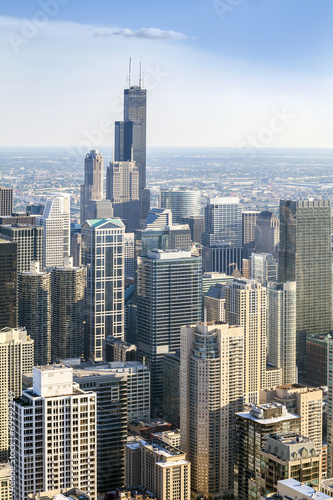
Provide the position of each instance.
(140, 74)
(130, 73)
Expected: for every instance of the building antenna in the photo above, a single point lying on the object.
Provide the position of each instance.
(205, 320)
(130, 73)
(140, 74)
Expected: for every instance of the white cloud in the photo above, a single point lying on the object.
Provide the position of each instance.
(152, 33)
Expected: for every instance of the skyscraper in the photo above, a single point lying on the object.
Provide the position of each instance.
(264, 268)
(249, 221)
(267, 233)
(92, 189)
(56, 235)
(68, 311)
(29, 241)
(16, 358)
(8, 284)
(168, 296)
(223, 222)
(102, 253)
(211, 388)
(182, 202)
(6, 201)
(34, 310)
(305, 256)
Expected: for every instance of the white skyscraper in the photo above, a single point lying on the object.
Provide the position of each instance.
(54, 437)
(211, 388)
(56, 237)
(223, 222)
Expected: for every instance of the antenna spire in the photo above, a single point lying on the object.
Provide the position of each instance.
(140, 74)
(130, 73)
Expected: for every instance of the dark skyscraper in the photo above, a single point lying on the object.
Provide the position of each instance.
(92, 189)
(8, 283)
(6, 200)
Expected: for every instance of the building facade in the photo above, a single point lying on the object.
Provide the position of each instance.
(8, 284)
(55, 222)
(6, 201)
(29, 240)
(92, 189)
(182, 202)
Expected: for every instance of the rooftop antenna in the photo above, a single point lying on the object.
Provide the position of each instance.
(132, 154)
(205, 321)
(130, 73)
(140, 74)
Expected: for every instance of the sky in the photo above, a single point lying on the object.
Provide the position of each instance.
(238, 73)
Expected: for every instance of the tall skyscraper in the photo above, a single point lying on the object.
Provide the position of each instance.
(16, 358)
(168, 296)
(182, 202)
(249, 222)
(197, 226)
(56, 235)
(6, 201)
(281, 329)
(305, 256)
(264, 268)
(267, 233)
(68, 311)
(102, 253)
(54, 434)
(8, 283)
(34, 310)
(92, 189)
(246, 306)
(223, 222)
(29, 241)
(122, 188)
(211, 388)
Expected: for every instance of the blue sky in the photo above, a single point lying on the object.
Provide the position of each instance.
(218, 72)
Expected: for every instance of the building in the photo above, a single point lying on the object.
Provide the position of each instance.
(158, 218)
(211, 388)
(34, 310)
(180, 237)
(182, 202)
(305, 232)
(316, 359)
(173, 237)
(249, 222)
(246, 305)
(8, 284)
(76, 246)
(16, 358)
(54, 431)
(253, 427)
(267, 233)
(6, 201)
(171, 401)
(92, 189)
(168, 296)
(281, 329)
(214, 303)
(221, 258)
(223, 222)
(291, 489)
(172, 438)
(246, 268)
(196, 224)
(102, 253)
(5, 481)
(68, 311)
(164, 470)
(29, 240)
(326, 486)
(264, 268)
(72, 494)
(129, 255)
(118, 350)
(330, 407)
(55, 222)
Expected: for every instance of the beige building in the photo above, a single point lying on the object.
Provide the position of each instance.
(164, 470)
(326, 486)
(5, 485)
(16, 358)
(246, 306)
(211, 392)
(214, 303)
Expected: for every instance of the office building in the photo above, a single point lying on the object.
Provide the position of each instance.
(72, 494)
(267, 233)
(180, 237)
(68, 311)
(305, 256)
(168, 296)
(76, 246)
(34, 310)
(171, 401)
(249, 222)
(55, 222)
(29, 240)
(118, 350)
(173, 237)
(211, 388)
(330, 407)
(129, 255)
(292, 489)
(223, 222)
(18, 218)
(246, 306)
(182, 202)
(281, 329)
(214, 303)
(92, 189)
(246, 268)
(5, 481)
(316, 359)
(196, 224)
(221, 258)
(158, 218)
(54, 434)
(16, 358)
(122, 189)
(253, 427)
(102, 253)
(264, 268)
(6, 201)
(164, 470)
(8, 284)
(326, 486)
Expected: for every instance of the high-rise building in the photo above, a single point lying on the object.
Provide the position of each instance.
(267, 233)
(249, 222)
(34, 310)
(330, 408)
(221, 258)
(6, 201)
(197, 226)
(182, 202)
(68, 311)
(92, 189)
(281, 329)
(122, 188)
(158, 218)
(76, 247)
(253, 427)
(56, 235)
(129, 255)
(29, 240)
(16, 358)
(223, 222)
(171, 401)
(246, 305)
(305, 256)
(54, 435)
(168, 296)
(316, 359)
(214, 303)
(5, 481)
(102, 253)
(264, 268)
(8, 284)
(118, 350)
(211, 388)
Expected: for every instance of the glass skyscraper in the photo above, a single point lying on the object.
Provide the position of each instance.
(182, 202)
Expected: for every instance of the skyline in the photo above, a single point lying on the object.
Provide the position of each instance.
(218, 73)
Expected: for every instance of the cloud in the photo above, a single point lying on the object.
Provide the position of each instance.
(150, 33)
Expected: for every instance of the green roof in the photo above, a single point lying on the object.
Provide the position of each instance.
(99, 222)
